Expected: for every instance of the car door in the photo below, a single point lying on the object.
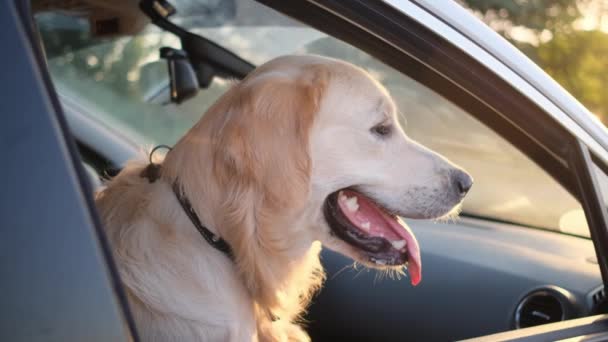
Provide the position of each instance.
(411, 39)
(57, 280)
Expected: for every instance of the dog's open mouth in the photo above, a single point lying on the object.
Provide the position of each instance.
(382, 237)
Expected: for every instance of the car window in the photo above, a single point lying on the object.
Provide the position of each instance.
(122, 80)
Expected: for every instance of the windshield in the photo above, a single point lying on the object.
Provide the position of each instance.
(122, 81)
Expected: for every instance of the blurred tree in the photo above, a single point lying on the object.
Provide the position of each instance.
(574, 58)
(535, 15)
(577, 60)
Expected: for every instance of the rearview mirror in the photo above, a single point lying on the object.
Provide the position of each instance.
(183, 83)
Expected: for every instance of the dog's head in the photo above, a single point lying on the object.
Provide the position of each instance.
(309, 148)
(367, 174)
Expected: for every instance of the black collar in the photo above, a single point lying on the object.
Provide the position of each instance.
(152, 173)
(214, 240)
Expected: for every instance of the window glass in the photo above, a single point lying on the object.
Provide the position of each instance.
(122, 80)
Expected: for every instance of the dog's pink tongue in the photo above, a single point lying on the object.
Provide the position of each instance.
(369, 218)
(413, 249)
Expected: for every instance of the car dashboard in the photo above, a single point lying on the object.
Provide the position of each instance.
(479, 277)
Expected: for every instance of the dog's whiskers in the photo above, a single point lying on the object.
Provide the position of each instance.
(360, 271)
(353, 266)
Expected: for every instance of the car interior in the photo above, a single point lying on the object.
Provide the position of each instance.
(133, 75)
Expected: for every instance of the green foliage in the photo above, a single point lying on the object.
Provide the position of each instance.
(577, 60)
(574, 58)
(536, 15)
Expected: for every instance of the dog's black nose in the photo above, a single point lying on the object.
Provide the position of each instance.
(462, 181)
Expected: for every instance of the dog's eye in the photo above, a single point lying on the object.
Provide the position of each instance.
(382, 130)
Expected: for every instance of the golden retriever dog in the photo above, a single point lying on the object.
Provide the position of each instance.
(305, 151)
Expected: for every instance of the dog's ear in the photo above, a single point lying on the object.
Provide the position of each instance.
(262, 163)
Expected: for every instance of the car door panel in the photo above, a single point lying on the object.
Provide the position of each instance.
(56, 283)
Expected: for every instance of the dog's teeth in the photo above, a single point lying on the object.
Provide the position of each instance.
(341, 196)
(351, 204)
(380, 262)
(365, 225)
(398, 244)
